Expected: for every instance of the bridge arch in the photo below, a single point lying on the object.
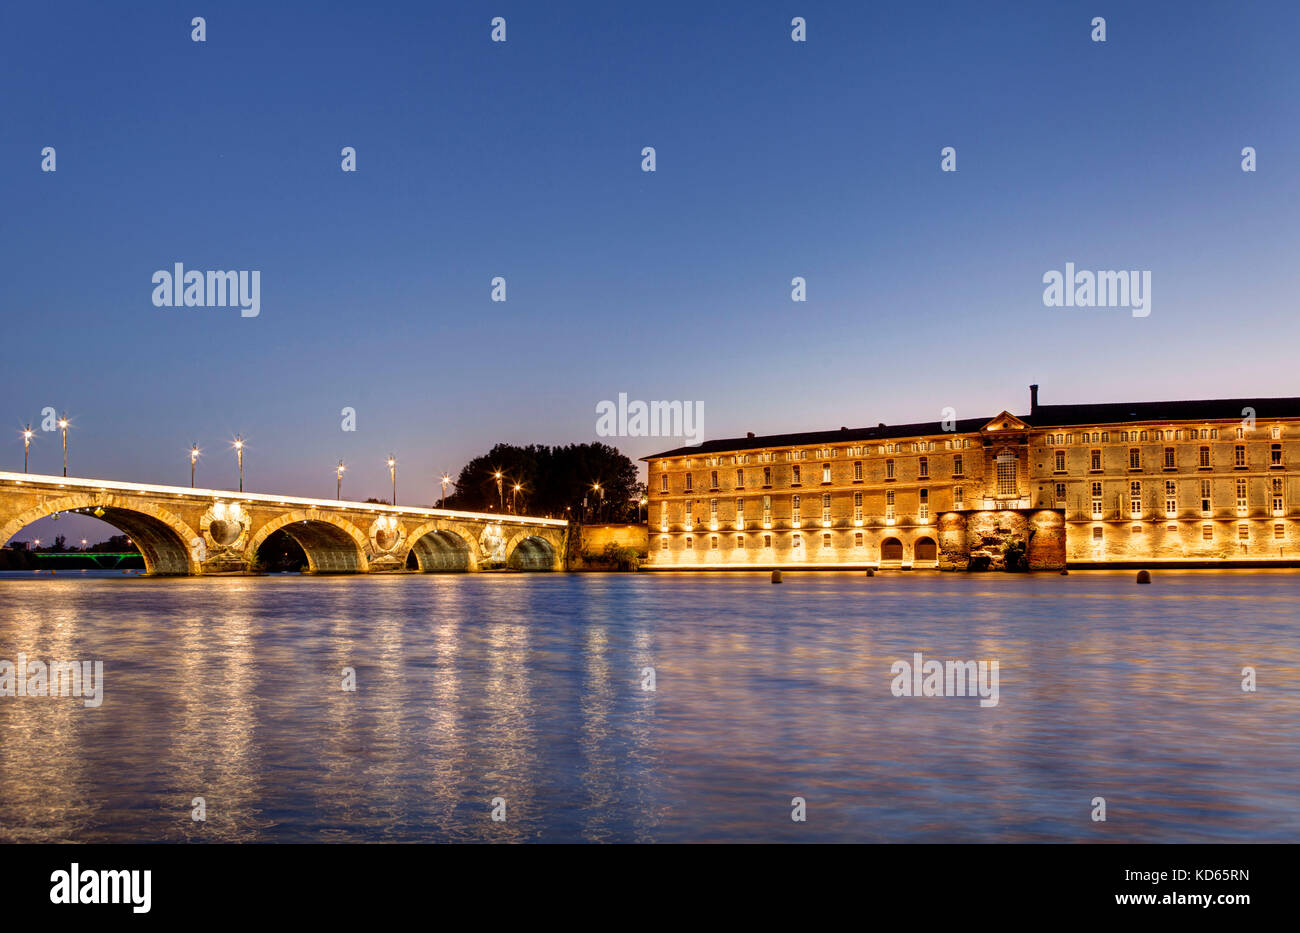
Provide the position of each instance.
(165, 540)
(527, 551)
(439, 549)
(332, 544)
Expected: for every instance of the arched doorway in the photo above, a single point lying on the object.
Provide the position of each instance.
(926, 551)
(891, 549)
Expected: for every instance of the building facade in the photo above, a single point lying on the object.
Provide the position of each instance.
(1187, 482)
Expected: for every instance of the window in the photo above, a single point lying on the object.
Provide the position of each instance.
(1275, 431)
(1277, 495)
(797, 541)
(1241, 497)
(857, 471)
(1006, 472)
(690, 543)
(857, 507)
(957, 502)
(663, 482)
(1096, 500)
(713, 542)
(1169, 458)
(767, 540)
(688, 482)
(857, 539)
(713, 511)
(1094, 460)
(796, 476)
(889, 469)
(1206, 505)
(713, 480)
(826, 509)
(889, 505)
(1207, 532)
(740, 541)
(826, 540)
(1134, 458)
(663, 516)
(794, 510)
(924, 471)
(1204, 458)
(1241, 432)
(1275, 455)
(1135, 498)
(923, 511)
(1243, 532)
(767, 511)
(826, 472)
(690, 506)
(1239, 457)
(1060, 494)
(1278, 532)
(740, 478)
(957, 466)
(663, 544)
(1059, 465)
(1096, 534)
(740, 513)
(767, 477)
(1171, 498)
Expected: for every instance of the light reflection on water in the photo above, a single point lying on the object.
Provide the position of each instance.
(528, 687)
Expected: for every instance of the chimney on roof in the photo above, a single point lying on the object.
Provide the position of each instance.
(881, 424)
(1033, 399)
(749, 433)
(843, 428)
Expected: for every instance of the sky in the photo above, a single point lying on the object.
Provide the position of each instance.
(523, 159)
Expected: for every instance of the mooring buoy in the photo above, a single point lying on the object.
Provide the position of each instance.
(776, 576)
(1144, 576)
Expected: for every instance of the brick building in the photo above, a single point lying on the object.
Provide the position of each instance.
(1184, 482)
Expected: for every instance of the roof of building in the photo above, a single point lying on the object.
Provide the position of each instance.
(1214, 409)
(1043, 416)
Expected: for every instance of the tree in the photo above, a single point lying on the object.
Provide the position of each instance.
(553, 480)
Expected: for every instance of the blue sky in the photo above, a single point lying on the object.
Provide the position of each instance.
(522, 159)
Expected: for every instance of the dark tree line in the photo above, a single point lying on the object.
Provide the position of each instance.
(551, 481)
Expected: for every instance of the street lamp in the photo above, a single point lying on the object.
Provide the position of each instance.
(339, 471)
(513, 494)
(392, 472)
(63, 426)
(500, 495)
(595, 487)
(27, 444)
(445, 480)
(194, 459)
(239, 454)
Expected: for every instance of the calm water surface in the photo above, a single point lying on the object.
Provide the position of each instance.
(528, 687)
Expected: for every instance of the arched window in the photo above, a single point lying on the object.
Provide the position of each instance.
(1006, 472)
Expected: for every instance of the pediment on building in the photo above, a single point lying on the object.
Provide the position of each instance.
(1003, 423)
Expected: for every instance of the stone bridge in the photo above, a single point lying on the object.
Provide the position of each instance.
(184, 531)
